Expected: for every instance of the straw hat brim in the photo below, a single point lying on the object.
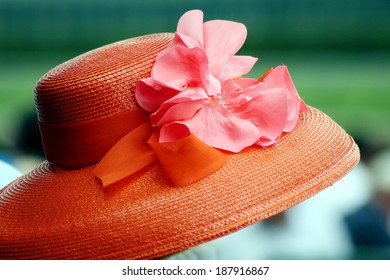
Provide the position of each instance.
(53, 213)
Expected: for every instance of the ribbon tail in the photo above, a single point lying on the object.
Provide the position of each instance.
(187, 160)
(127, 156)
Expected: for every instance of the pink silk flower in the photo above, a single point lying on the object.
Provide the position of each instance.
(196, 87)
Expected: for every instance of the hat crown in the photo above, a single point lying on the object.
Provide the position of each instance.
(99, 83)
(87, 104)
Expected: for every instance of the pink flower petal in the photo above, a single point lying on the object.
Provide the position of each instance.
(151, 95)
(246, 82)
(169, 113)
(182, 40)
(173, 132)
(238, 85)
(222, 39)
(181, 68)
(231, 85)
(214, 86)
(217, 128)
(180, 107)
(267, 110)
(237, 66)
(280, 77)
(191, 25)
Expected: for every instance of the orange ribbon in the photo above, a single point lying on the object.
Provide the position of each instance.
(185, 161)
(125, 143)
(75, 145)
(127, 156)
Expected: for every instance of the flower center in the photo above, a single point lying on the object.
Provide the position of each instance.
(218, 100)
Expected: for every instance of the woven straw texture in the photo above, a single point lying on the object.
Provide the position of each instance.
(53, 213)
(99, 83)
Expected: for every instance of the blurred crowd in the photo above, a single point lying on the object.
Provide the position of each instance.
(349, 220)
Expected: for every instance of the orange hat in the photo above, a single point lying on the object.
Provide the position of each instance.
(123, 181)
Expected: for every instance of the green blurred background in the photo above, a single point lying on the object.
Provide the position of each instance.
(337, 51)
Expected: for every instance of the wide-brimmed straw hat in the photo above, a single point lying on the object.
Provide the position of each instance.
(114, 188)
